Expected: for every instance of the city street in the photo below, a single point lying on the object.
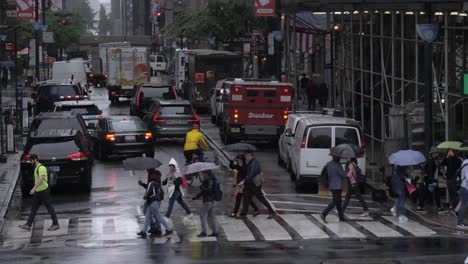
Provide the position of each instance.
(101, 227)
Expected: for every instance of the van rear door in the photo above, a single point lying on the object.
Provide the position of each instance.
(350, 135)
(315, 149)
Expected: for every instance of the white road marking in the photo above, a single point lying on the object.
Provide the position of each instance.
(411, 226)
(379, 229)
(303, 226)
(194, 228)
(270, 202)
(358, 217)
(61, 232)
(341, 229)
(269, 228)
(320, 204)
(235, 229)
(11, 230)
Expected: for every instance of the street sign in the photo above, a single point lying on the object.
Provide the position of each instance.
(428, 32)
(48, 37)
(9, 46)
(25, 9)
(11, 13)
(264, 7)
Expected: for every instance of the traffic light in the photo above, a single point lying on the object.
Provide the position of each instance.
(337, 27)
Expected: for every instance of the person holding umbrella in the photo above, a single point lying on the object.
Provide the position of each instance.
(336, 175)
(175, 193)
(207, 192)
(155, 226)
(430, 185)
(238, 167)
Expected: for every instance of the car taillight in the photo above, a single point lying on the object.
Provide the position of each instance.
(156, 118)
(286, 90)
(148, 135)
(195, 118)
(285, 114)
(105, 75)
(236, 113)
(113, 93)
(236, 89)
(77, 156)
(110, 137)
(25, 158)
(304, 141)
(91, 75)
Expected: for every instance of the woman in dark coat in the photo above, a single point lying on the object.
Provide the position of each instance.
(238, 170)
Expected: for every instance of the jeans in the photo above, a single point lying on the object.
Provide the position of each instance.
(357, 192)
(153, 224)
(238, 203)
(44, 198)
(207, 215)
(400, 203)
(435, 195)
(463, 206)
(335, 202)
(250, 191)
(154, 212)
(452, 191)
(176, 196)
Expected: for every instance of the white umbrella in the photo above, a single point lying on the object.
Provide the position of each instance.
(199, 166)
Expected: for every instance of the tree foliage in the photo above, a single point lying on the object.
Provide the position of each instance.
(86, 15)
(64, 35)
(104, 25)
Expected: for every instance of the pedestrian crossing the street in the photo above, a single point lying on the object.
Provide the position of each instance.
(286, 227)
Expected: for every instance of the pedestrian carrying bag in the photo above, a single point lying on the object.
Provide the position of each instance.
(323, 178)
(158, 194)
(51, 177)
(258, 179)
(360, 178)
(218, 193)
(184, 183)
(410, 187)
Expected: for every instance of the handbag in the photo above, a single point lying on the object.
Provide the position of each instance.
(184, 183)
(258, 179)
(410, 187)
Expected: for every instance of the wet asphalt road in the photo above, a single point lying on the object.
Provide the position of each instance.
(101, 227)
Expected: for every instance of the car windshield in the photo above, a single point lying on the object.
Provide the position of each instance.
(164, 92)
(126, 125)
(55, 148)
(82, 109)
(56, 123)
(176, 110)
(58, 90)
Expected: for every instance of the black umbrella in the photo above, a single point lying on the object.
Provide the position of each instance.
(344, 151)
(240, 147)
(141, 163)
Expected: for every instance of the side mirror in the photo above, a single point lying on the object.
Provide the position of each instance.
(288, 132)
(34, 96)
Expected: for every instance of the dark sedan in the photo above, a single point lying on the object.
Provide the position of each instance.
(122, 136)
(147, 93)
(172, 118)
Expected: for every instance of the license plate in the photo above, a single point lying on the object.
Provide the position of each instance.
(54, 168)
(235, 129)
(176, 121)
(130, 138)
(285, 98)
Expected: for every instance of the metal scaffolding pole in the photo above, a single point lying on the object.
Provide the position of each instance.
(352, 68)
(343, 72)
(447, 97)
(382, 88)
(393, 57)
(416, 54)
(371, 57)
(361, 66)
(296, 93)
(402, 58)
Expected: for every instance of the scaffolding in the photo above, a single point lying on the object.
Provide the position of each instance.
(377, 72)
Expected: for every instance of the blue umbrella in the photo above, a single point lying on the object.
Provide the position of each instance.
(406, 158)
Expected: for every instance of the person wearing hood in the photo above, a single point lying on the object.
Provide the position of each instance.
(463, 193)
(238, 167)
(430, 186)
(174, 190)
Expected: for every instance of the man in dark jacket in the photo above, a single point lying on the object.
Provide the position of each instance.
(336, 176)
(430, 185)
(238, 167)
(253, 185)
(207, 214)
(453, 163)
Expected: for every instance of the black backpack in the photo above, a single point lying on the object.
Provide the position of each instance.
(51, 177)
(218, 193)
(158, 194)
(323, 178)
(360, 178)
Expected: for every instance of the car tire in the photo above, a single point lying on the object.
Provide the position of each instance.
(114, 101)
(226, 138)
(102, 155)
(87, 181)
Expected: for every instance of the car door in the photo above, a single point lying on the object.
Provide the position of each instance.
(283, 141)
(314, 155)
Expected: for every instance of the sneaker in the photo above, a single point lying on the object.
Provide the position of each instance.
(233, 214)
(213, 235)
(168, 232)
(365, 214)
(25, 227)
(335, 211)
(273, 215)
(202, 234)
(419, 209)
(189, 216)
(155, 232)
(402, 218)
(53, 228)
(393, 211)
(256, 213)
(323, 218)
(461, 226)
(142, 234)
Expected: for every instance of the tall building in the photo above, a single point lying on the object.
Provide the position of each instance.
(115, 17)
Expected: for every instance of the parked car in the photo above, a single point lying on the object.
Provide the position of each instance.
(147, 93)
(216, 103)
(122, 136)
(172, 118)
(312, 141)
(87, 109)
(50, 92)
(64, 151)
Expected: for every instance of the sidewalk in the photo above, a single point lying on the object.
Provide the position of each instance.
(9, 175)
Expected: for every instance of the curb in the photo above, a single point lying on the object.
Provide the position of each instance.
(10, 191)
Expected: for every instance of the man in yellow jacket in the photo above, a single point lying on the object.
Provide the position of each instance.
(193, 140)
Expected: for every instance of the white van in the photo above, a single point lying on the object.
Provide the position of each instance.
(64, 70)
(312, 141)
(157, 64)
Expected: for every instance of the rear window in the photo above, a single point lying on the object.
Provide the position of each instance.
(83, 110)
(346, 135)
(152, 59)
(165, 93)
(58, 90)
(319, 138)
(159, 59)
(176, 110)
(55, 148)
(252, 93)
(269, 93)
(126, 125)
(56, 123)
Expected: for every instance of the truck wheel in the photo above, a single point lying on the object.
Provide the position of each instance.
(150, 154)
(114, 100)
(298, 183)
(292, 176)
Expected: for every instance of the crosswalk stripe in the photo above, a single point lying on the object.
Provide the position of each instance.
(341, 229)
(358, 217)
(411, 226)
(235, 229)
(11, 230)
(194, 228)
(303, 226)
(379, 229)
(270, 229)
(60, 232)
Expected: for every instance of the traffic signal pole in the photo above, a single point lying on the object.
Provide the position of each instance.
(36, 36)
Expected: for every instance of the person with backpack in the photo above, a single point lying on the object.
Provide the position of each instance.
(154, 196)
(452, 163)
(355, 178)
(155, 226)
(174, 189)
(239, 170)
(41, 195)
(463, 193)
(209, 191)
(334, 175)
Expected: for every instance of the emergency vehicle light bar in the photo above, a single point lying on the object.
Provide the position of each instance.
(73, 97)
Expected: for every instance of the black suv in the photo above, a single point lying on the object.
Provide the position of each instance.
(147, 93)
(65, 151)
(49, 93)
